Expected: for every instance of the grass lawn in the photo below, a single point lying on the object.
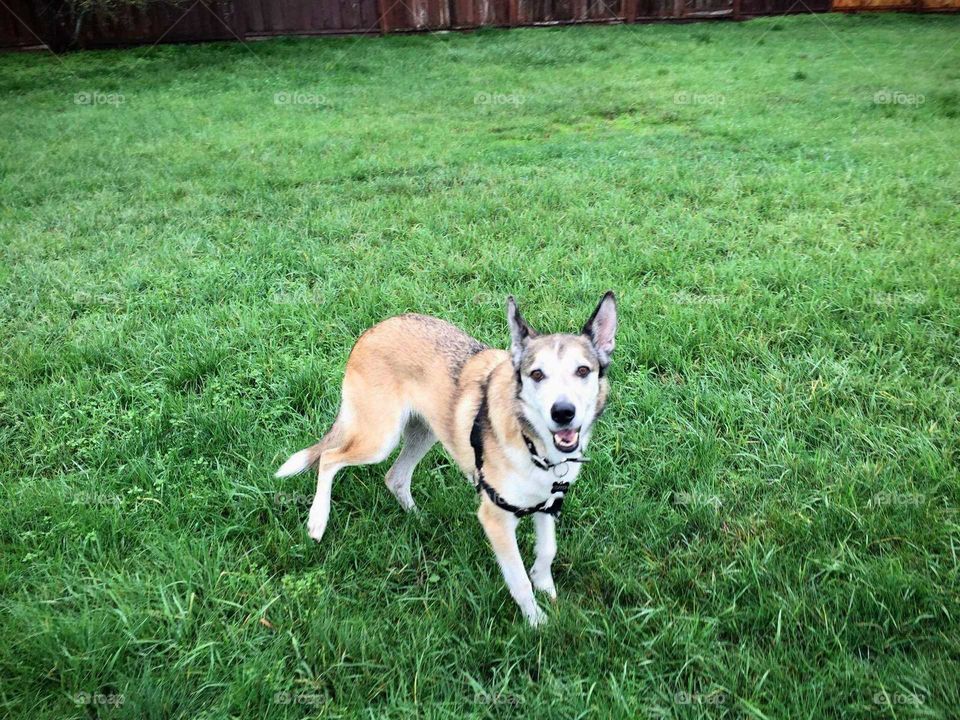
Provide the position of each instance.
(192, 238)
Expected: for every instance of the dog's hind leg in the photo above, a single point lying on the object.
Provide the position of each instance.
(417, 441)
(368, 428)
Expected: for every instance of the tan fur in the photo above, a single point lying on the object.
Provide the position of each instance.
(422, 379)
(404, 366)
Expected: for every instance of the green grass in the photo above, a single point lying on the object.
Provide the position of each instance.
(769, 528)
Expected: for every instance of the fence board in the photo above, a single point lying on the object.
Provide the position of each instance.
(153, 22)
(21, 24)
(23, 21)
(753, 8)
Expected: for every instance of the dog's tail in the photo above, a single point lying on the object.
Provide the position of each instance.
(299, 462)
(308, 457)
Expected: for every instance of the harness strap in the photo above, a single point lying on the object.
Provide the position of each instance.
(550, 506)
(542, 462)
(476, 432)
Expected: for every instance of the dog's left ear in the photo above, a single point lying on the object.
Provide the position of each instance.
(520, 332)
(601, 328)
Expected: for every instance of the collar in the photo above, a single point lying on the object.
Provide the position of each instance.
(544, 464)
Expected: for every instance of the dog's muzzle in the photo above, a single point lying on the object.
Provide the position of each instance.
(567, 441)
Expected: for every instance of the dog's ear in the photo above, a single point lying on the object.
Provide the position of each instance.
(601, 328)
(520, 332)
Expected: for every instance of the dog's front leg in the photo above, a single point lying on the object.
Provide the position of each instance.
(546, 549)
(501, 530)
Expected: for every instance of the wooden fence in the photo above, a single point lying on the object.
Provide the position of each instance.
(900, 5)
(26, 23)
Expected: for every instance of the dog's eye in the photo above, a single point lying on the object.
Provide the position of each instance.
(583, 371)
(537, 375)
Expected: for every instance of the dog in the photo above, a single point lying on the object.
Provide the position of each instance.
(517, 424)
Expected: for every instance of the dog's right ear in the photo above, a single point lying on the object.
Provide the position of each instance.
(520, 332)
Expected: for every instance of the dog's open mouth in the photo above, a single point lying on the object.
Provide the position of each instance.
(566, 440)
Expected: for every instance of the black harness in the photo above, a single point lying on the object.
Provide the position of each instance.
(550, 506)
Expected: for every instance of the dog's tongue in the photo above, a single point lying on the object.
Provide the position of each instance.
(566, 438)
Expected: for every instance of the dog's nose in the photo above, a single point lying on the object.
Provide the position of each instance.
(562, 412)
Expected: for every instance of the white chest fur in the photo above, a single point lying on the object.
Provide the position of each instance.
(530, 485)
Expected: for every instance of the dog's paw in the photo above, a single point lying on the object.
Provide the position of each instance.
(549, 589)
(315, 526)
(535, 616)
(543, 582)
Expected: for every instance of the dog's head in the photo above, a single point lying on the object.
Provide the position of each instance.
(562, 383)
